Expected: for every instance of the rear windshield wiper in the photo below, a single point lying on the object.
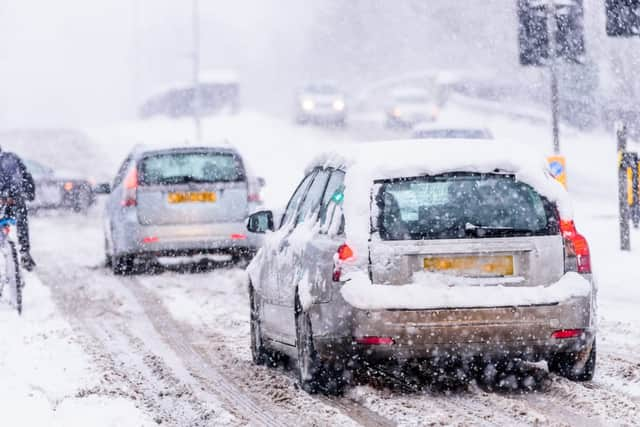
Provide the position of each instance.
(469, 227)
(182, 179)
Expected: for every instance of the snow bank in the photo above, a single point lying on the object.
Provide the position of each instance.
(432, 290)
(44, 371)
(394, 159)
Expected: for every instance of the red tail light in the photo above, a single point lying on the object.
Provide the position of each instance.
(576, 248)
(238, 236)
(254, 198)
(375, 340)
(131, 188)
(345, 253)
(567, 333)
(150, 239)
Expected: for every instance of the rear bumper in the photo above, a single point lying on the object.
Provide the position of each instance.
(490, 333)
(186, 240)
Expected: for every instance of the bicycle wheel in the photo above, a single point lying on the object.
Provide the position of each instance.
(13, 277)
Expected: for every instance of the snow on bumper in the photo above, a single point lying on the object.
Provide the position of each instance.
(437, 293)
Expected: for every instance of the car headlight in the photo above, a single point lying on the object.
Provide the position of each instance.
(338, 105)
(396, 112)
(307, 104)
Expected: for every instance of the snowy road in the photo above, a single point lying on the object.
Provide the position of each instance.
(178, 345)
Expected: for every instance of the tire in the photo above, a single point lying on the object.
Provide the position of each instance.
(313, 375)
(18, 284)
(565, 364)
(123, 265)
(259, 352)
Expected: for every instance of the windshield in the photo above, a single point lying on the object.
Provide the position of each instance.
(452, 133)
(462, 205)
(193, 167)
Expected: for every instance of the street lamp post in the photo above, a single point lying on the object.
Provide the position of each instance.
(196, 70)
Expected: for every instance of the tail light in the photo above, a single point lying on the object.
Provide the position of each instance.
(131, 188)
(576, 249)
(567, 333)
(254, 198)
(369, 340)
(344, 254)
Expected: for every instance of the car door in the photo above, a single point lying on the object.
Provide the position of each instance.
(112, 205)
(292, 259)
(267, 283)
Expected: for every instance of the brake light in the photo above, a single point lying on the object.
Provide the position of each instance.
(150, 239)
(131, 188)
(238, 236)
(344, 254)
(375, 340)
(254, 198)
(577, 254)
(68, 186)
(567, 333)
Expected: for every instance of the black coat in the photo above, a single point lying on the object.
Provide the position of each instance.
(15, 178)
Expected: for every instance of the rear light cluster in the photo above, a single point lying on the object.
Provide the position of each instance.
(371, 340)
(567, 333)
(576, 249)
(131, 189)
(344, 254)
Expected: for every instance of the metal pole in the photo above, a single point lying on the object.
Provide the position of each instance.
(623, 205)
(553, 71)
(196, 70)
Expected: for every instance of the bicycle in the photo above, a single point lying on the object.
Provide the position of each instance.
(10, 274)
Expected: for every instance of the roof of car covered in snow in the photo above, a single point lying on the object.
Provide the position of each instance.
(142, 149)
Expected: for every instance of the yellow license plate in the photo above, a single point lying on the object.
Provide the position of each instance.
(193, 196)
(482, 265)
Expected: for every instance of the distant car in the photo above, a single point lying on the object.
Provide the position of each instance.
(320, 103)
(59, 190)
(436, 253)
(179, 201)
(409, 106)
(435, 131)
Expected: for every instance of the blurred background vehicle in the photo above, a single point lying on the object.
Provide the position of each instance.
(320, 103)
(219, 93)
(179, 202)
(409, 106)
(59, 190)
(439, 131)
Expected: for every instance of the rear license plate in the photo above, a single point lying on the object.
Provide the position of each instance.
(192, 196)
(482, 265)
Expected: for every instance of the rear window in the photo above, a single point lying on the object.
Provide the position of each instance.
(193, 167)
(462, 205)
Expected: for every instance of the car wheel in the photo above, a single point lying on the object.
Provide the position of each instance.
(312, 374)
(259, 352)
(569, 365)
(123, 265)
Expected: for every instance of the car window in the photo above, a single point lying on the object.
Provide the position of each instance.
(334, 191)
(296, 198)
(463, 205)
(313, 198)
(121, 172)
(189, 167)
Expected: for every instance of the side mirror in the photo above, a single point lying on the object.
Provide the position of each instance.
(260, 222)
(102, 188)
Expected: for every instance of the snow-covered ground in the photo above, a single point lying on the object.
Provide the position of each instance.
(95, 349)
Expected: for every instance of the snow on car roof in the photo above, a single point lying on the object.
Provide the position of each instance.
(368, 162)
(143, 148)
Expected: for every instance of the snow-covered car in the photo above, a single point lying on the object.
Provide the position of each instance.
(58, 189)
(443, 131)
(320, 103)
(410, 106)
(180, 201)
(397, 251)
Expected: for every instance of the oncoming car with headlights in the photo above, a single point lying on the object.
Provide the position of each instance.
(179, 201)
(322, 104)
(442, 253)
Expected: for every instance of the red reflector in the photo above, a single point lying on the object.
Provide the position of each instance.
(150, 239)
(375, 340)
(238, 236)
(345, 252)
(129, 202)
(567, 333)
(254, 197)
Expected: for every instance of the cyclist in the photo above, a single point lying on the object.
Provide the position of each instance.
(16, 180)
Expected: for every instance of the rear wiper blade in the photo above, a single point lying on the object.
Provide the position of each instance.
(182, 179)
(475, 227)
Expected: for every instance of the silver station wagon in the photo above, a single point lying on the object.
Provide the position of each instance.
(178, 201)
(398, 251)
